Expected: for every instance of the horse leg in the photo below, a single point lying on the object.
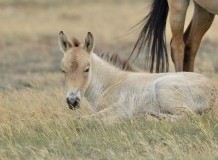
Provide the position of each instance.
(177, 15)
(199, 25)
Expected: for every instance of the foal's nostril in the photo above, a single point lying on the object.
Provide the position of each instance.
(76, 103)
(73, 103)
(68, 101)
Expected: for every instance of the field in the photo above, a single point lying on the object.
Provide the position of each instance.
(35, 122)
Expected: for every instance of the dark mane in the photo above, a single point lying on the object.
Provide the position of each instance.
(115, 60)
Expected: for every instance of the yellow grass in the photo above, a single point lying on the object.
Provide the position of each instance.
(35, 122)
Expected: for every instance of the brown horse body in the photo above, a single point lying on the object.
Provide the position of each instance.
(184, 46)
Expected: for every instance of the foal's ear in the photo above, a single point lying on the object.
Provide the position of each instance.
(89, 42)
(64, 44)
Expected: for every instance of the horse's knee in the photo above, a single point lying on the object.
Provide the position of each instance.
(177, 45)
(177, 52)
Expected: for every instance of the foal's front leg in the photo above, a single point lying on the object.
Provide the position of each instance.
(108, 115)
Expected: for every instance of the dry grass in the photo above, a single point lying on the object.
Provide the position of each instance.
(35, 122)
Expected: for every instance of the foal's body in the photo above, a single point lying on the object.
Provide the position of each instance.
(115, 94)
(120, 94)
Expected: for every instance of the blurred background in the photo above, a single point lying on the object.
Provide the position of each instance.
(30, 56)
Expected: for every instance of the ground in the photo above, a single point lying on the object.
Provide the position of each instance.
(35, 122)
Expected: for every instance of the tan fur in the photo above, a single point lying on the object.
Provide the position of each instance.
(114, 94)
(210, 5)
(73, 65)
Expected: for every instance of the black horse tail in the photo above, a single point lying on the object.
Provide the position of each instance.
(152, 36)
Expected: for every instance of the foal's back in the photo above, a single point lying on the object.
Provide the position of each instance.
(185, 92)
(172, 93)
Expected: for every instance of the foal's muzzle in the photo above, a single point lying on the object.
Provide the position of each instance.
(73, 101)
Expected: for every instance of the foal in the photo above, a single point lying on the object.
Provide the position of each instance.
(114, 94)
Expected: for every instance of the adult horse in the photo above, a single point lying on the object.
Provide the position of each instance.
(116, 94)
(184, 46)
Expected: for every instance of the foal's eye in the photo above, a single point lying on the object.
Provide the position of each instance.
(62, 71)
(86, 69)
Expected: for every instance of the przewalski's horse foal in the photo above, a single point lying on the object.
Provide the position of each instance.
(115, 94)
(184, 46)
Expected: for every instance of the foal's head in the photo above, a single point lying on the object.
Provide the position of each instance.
(76, 66)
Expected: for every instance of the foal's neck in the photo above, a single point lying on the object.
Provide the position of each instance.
(103, 75)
